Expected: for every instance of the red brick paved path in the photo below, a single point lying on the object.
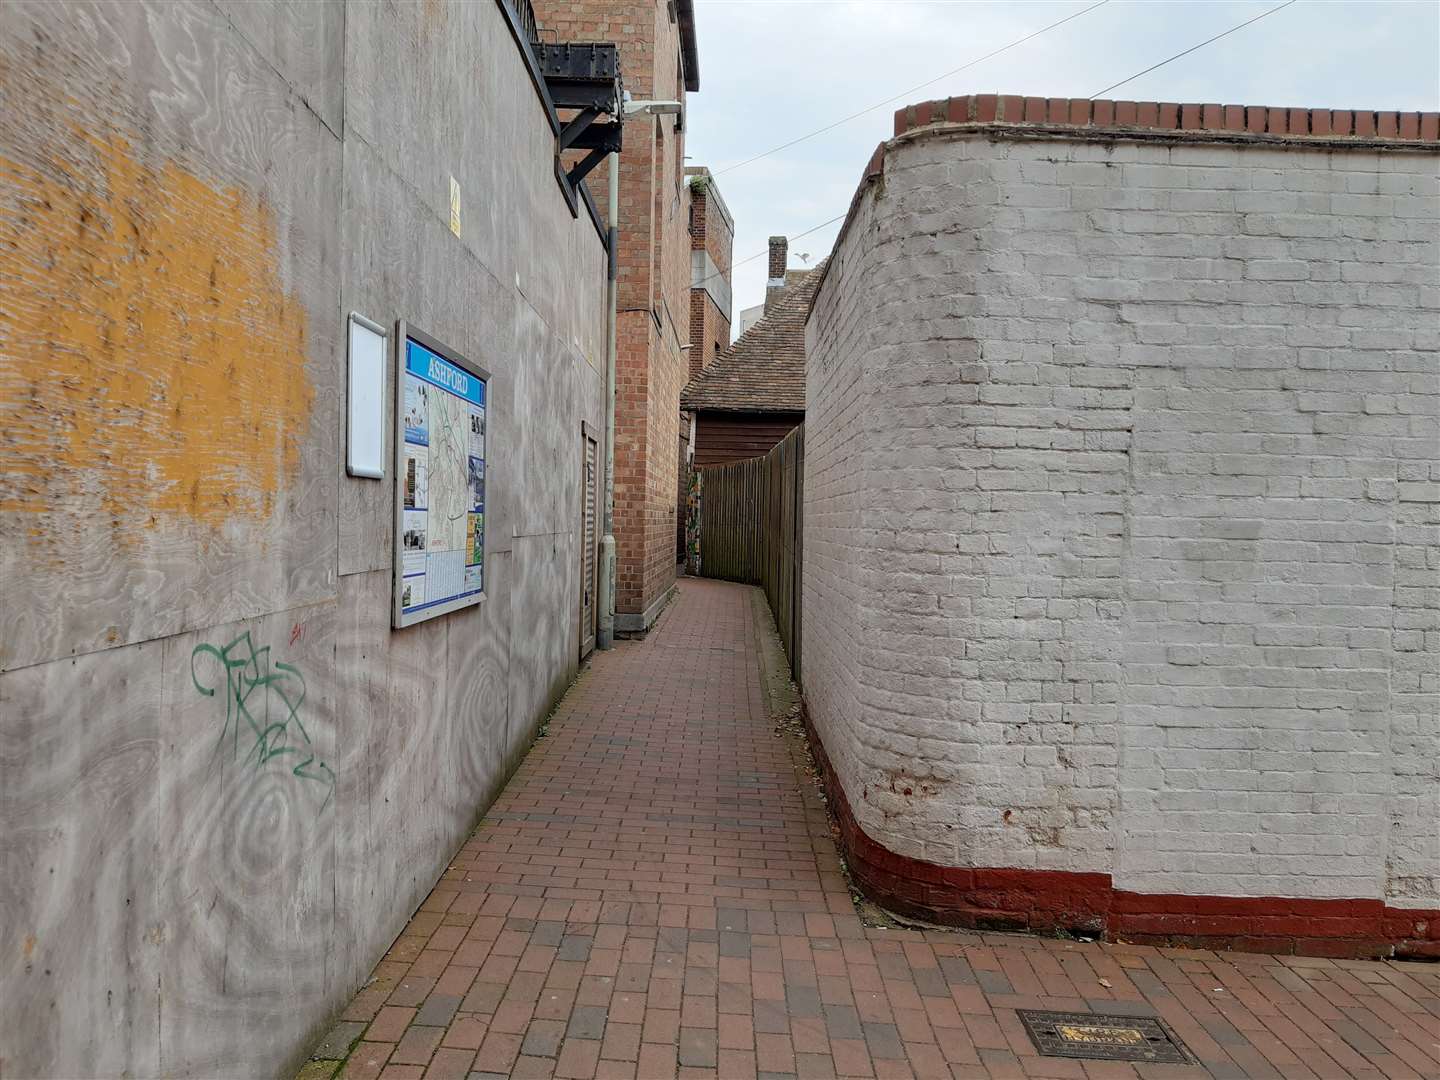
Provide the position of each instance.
(656, 894)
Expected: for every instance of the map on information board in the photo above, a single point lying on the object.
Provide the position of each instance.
(440, 500)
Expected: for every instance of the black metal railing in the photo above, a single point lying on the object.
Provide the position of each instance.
(526, 11)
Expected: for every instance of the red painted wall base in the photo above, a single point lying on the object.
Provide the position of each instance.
(1049, 900)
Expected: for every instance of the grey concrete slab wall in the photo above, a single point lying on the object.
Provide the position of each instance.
(193, 197)
(1121, 512)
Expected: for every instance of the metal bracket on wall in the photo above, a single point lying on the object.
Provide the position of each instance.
(578, 125)
(581, 168)
(586, 77)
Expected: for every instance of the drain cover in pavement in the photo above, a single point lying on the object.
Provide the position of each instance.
(1102, 1038)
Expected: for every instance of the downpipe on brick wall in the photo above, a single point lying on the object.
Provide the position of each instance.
(605, 632)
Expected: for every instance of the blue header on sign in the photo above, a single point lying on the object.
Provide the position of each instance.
(434, 368)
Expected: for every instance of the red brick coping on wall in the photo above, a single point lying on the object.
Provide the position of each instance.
(999, 898)
(1160, 116)
(1010, 115)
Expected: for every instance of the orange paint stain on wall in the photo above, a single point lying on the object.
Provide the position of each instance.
(153, 362)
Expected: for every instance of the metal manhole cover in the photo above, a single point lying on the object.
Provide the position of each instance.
(1103, 1038)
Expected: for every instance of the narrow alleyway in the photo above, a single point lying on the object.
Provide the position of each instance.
(656, 894)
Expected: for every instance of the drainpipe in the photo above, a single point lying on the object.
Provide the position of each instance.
(605, 633)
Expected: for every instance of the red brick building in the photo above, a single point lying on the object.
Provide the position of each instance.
(753, 393)
(658, 61)
(712, 245)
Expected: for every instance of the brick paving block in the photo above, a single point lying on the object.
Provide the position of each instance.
(956, 1047)
(657, 1061)
(465, 1033)
(532, 1068)
(543, 1038)
(554, 1004)
(627, 1008)
(438, 1009)
(807, 1035)
(665, 994)
(338, 1040)
(698, 1010)
(483, 998)
(814, 1066)
(417, 1045)
(456, 979)
(927, 1061)
(661, 1026)
(735, 1031)
(1109, 1070)
(587, 1022)
(389, 1024)
(843, 1022)
(767, 985)
(402, 1072)
(499, 1051)
(883, 1040)
(613, 1069)
(734, 998)
(578, 1059)
(736, 1064)
(450, 1064)
(802, 1001)
(622, 1041)
(914, 1026)
(574, 947)
(851, 1057)
(874, 1007)
(369, 1000)
(774, 1053)
(697, 1047)
(512, 1016)
(770, 1017)
(471, 954)
(735, 945)
(412, 991)
(446, 938)
(366, 1061)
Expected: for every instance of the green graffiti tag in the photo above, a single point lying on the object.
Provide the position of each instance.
(262, 702)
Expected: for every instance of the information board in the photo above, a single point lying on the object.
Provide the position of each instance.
(440, 479)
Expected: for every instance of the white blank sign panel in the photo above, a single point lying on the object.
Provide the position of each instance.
(365, 455)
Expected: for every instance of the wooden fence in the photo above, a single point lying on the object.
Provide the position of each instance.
(750, 530)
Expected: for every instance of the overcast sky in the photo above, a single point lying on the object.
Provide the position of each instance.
(772, 70)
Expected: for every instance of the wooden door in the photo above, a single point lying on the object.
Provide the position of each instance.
(589, 537)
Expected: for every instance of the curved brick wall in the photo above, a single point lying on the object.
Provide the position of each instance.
(1121, 532)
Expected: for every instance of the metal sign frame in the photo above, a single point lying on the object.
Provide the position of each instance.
(365, 403)
(401, 617)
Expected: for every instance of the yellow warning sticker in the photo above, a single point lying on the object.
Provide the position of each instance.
(1110, 1036)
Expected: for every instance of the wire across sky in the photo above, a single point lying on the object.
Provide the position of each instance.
(965, 67)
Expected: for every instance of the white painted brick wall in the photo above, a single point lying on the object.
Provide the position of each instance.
(1122, 549)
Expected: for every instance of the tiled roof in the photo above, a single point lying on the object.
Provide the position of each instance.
(764, 371)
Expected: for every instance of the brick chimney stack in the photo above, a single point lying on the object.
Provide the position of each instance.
(779, 256)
